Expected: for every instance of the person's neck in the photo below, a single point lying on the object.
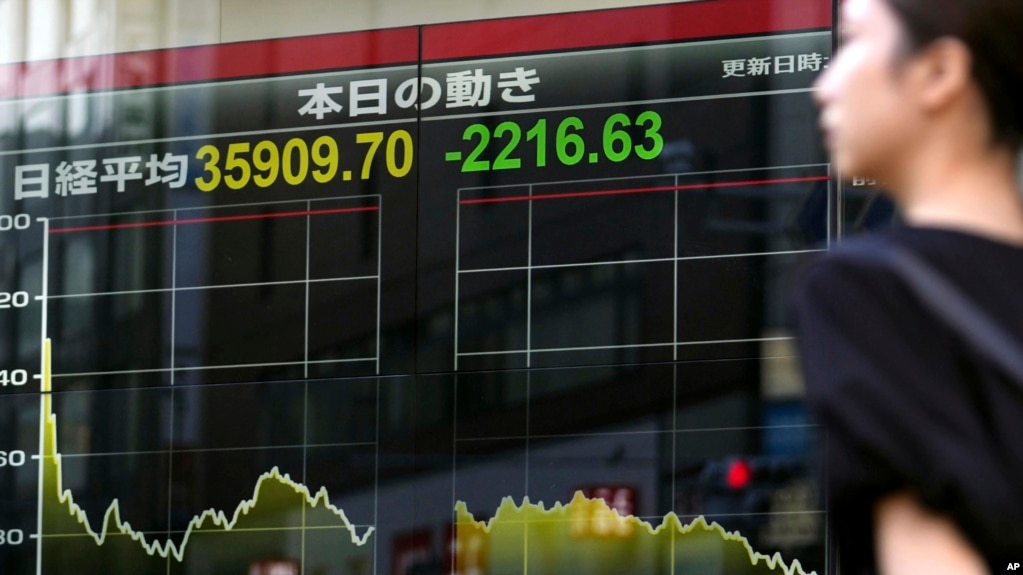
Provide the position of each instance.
(974, 193)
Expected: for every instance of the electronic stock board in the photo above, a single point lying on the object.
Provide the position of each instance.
(483, 297)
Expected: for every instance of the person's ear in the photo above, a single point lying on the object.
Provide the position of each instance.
(943, 73)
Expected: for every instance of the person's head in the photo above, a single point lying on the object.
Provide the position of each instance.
(908, 69)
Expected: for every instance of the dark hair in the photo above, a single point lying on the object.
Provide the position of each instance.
(993, 32)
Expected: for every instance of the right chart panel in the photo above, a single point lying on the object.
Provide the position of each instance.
(609, 206)
(617, 204)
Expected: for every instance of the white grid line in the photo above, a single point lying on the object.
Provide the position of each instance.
(213, 287)
(529, 285)
(204, 450)
(42, 395)
(173, 362)
(625, 346)
(305, 343)
(458, 264)
(643, 261)
(674, 274)
(674, 443)
(174, 304)
(210, 367)
(380, 273)
(305, 453)
(543, 350)
(636, 433)
(376, 477)
(454, 456)
(529, 401)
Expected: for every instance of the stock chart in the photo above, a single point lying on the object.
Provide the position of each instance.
(473, 298)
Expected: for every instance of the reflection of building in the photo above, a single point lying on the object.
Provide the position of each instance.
(41, 30)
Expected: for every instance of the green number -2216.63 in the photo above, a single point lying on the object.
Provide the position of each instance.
(569, 146)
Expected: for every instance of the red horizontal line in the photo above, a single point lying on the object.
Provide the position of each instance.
(212, 220)
(646, 190)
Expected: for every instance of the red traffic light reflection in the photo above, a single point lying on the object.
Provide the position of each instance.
(739, 474)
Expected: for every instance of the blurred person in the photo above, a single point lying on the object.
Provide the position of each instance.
(923, 431)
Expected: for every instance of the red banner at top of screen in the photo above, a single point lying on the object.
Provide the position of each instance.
(627, 26)
(465, 40)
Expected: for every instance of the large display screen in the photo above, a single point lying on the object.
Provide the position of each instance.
(476, 298)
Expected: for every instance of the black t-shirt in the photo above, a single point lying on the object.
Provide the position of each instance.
(905, 401)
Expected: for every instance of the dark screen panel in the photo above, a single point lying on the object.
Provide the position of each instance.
(486, 297)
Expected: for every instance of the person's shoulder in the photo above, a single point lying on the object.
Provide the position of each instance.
(968, 260)
(871, 253)
(857, 258)
(866, 267)
(854, 280)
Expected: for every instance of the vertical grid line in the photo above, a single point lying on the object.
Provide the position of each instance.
(529, 401)
(376, 482)
(529, 364)
(174, 299)
(529, 285)
(44, 389)
(380, 270)
(173, 372)
(305, 356)
(458, 267)
(525, 543)
(674, 451)
(454, 468)
(836, 211)
(674, 305)
(525, 525)
(305, 459)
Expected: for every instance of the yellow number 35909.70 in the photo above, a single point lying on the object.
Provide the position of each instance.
(265, 163)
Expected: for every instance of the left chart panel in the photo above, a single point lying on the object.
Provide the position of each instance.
(201, 250)
(253, 308)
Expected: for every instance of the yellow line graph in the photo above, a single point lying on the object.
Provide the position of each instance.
(584, 535)
(588, 529)
(113, 524)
